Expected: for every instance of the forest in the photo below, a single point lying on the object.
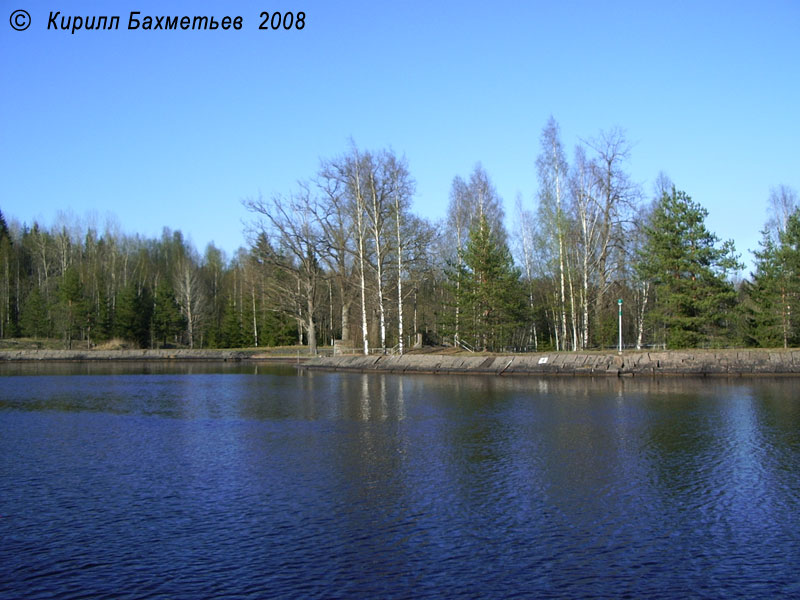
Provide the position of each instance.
(343, 257)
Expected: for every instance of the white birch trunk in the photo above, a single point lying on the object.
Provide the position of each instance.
(399, 273)
(640, 316)
(362, 278)
(376, 232)
(573, 313)
(255, 318)
(559, 220)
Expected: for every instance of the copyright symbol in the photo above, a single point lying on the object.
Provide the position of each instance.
(20, 20)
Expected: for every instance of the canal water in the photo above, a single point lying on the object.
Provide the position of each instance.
(222, 481)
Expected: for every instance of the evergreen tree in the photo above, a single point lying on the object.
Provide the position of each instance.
(491, 296)
(232, 334)
(104, 322)
(132, 317)
(72, 310)
(34, 321)
(4, 233)
(7, 317)
(693, 296)
(765, 312)
(277, 329)
(167, 319)
(775, 290)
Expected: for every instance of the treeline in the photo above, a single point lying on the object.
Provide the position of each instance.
(343, 257)
(87, 286)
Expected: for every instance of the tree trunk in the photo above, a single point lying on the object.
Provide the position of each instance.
(255, 319)
(346, 320)
(640, 316)
(361, 259)
(310, 325)
(399, 274)
(573, 313)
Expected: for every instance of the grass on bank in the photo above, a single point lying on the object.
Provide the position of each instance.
(119, 344)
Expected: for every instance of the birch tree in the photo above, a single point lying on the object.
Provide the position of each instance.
(402, 187)
(583, 192)
(377, 212)
(359, 208)
(525, 236)
(187, 284)
(615, 198)
(782, 202)
(552, 170)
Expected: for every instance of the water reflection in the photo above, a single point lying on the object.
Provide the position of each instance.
(344, 484)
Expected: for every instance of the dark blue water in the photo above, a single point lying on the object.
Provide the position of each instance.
(146, 481)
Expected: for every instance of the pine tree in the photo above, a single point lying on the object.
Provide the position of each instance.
(689, 272)
(775, 290)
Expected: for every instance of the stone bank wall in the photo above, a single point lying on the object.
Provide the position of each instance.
(700, 362)
(141, 355)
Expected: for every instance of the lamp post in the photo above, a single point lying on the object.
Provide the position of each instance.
(619, 302)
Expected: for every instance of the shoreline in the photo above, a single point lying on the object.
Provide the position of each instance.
(177, 355)
(628, 364)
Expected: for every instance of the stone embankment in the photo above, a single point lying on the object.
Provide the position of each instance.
(140, 355)
(699, 362)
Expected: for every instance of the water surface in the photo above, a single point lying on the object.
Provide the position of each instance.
(169, 481)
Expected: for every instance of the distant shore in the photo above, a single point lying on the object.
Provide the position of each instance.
(629, 363)
(148, 355)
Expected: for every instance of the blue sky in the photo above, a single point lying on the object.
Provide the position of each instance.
(174, 128)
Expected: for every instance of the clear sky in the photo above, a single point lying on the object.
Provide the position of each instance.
(174, 128)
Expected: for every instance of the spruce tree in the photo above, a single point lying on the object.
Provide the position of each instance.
(7, 317)
(34, 321)
(132, 316)
(694, 297)
(231, 331)
(4, 232)
(167, 319)
(72, 309)
(491, 296)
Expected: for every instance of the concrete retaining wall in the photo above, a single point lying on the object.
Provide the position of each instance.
(687, 362)
(102, 355)
(724, 362)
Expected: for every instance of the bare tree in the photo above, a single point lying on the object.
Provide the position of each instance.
(525, 235)
(288, 241)
(335, 216)
(615, 201)
(402, 187)
(377, 211)
(359, 210)
(782, 202)
(189, 293)
(583, 193)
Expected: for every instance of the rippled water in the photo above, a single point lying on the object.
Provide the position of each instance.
(152, 481)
